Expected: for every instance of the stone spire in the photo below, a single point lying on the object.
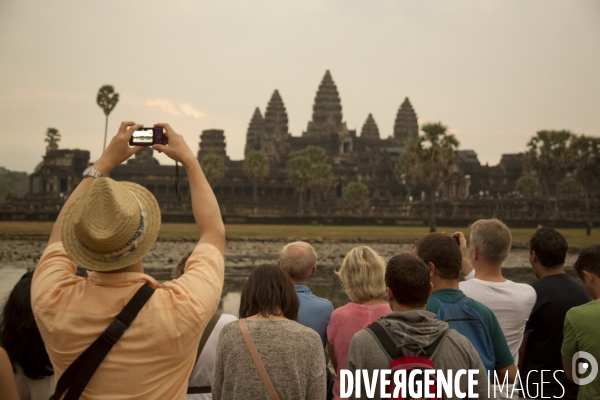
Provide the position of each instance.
(275, 135)
(212, 141)
(370, 129)
(255, 132)
(406, 127)
(327, 109)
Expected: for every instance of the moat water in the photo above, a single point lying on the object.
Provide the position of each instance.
(17, 256)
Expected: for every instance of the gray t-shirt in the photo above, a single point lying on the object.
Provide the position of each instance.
(420, 328)
(292, 354)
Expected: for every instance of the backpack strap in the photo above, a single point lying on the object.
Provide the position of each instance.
(257, 361)
(396, 351)
(205, 335)
(384, 338)
(432, 348)
(76, 377)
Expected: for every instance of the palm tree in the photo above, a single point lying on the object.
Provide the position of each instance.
(107, 99)
(52, 138)
(213, 167)
(308, 168)
(429, 160)
(256, 168)
(297, 167)
(584, 153)
(319, 180)
(549, 157)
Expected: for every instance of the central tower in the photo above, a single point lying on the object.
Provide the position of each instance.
(326, 123)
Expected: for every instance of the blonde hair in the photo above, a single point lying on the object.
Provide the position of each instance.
(297, 259)
(492, 238)
(362, 274)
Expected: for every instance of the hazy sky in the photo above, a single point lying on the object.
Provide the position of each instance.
(495, 72)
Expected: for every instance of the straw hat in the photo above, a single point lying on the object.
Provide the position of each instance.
(111, 226)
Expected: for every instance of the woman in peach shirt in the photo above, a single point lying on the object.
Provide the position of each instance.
(363, 277)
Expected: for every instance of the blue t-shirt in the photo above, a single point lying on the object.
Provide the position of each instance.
(314, 311)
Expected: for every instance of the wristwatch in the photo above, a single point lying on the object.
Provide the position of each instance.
(91, 171)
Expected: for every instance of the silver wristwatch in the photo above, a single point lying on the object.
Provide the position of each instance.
(91, 171)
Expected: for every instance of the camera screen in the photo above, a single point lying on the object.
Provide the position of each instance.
(142, 137)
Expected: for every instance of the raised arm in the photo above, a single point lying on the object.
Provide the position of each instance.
(117, 151)
(466, 264)
(204, 203)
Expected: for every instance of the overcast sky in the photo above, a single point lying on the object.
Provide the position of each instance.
(495, 72)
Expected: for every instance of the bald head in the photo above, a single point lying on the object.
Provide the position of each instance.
(298, 260)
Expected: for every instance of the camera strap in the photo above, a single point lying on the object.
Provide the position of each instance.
(177, 194)
(76, 377)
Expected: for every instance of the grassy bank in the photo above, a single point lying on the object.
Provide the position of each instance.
(575, 237)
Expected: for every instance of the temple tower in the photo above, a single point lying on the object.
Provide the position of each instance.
(327, 109)
(406, 127)
(326, 124)
(212, 141)
(275, 133)
(370, 129)
(255, 132)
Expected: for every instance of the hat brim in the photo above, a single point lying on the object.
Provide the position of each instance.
(81, 255)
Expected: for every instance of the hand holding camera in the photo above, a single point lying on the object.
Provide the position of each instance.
(118, 149)
(174, 146)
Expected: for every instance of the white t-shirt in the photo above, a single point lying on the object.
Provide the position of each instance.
(511, 303)
(203, 371)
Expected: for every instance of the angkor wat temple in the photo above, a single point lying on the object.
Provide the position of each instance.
(472, 191)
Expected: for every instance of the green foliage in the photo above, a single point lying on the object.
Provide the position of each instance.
(584, 154)
(256, 166)
(570, 187)
(12, 184)
(52, 138)
(548, 155)
(356, 194)
(319, 177)
(107, 99)
(528, 185)
(213, 167)
(308, 169)
(429, 157)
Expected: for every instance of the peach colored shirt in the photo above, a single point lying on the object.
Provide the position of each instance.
(155, 356)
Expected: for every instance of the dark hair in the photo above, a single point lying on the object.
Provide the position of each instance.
(269, 291)
(588, 260)
(19, 334)
(407, 276)
(550, 247)
(441, 250)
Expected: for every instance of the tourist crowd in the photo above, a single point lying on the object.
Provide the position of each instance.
(120, 335)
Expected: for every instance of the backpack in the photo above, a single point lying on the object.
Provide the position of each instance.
(408, 363)
(469, 323)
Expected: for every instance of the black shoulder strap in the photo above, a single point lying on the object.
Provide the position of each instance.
(76, 377)
(205, 335)
(396, 351)
(384, 338)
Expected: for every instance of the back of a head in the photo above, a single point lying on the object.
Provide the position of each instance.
(407, 276)
(550, 247)
(363, 274)
(492, 238)
(442, 251)
(19, 333)
(588, 260)
(297, 259)
(268, 292)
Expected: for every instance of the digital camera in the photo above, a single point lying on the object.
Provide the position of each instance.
(147, 136)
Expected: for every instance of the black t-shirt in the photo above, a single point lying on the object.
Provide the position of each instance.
(556, 294)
